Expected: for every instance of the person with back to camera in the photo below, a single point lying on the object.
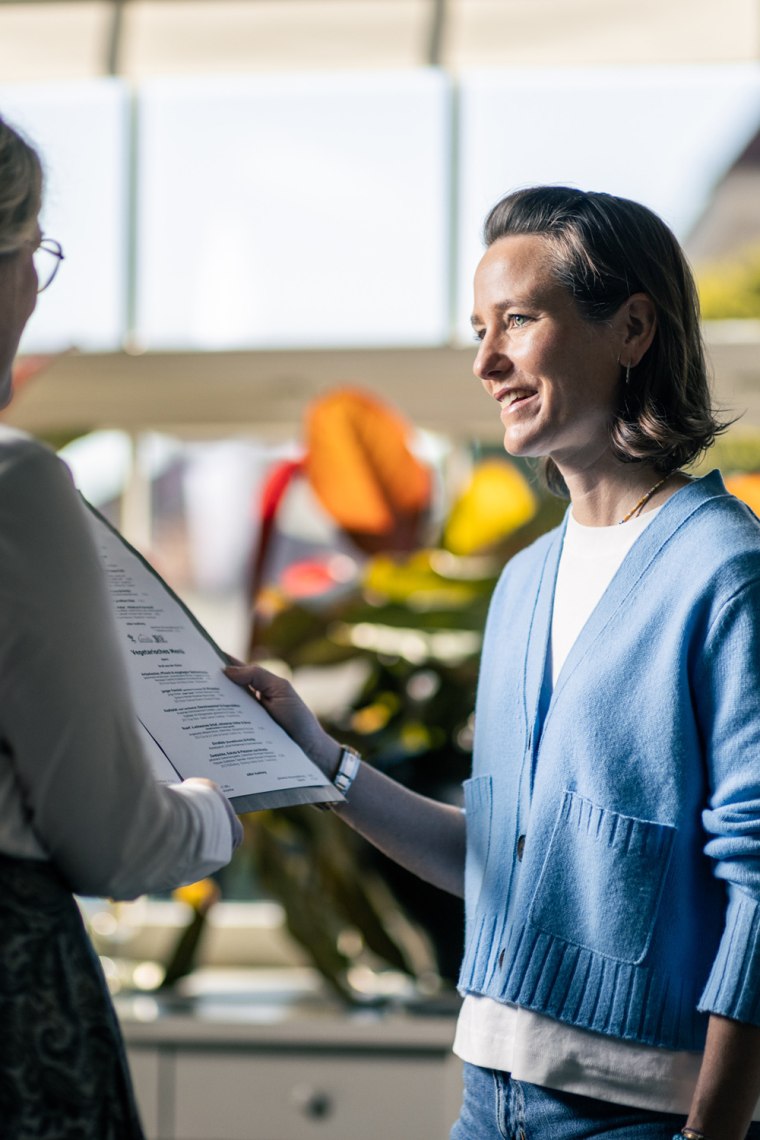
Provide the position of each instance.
(609, 853)
(79, 808)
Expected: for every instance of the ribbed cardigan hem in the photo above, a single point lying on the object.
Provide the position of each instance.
(543, 973)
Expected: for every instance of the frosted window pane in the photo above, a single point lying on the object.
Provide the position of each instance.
(293, 211)
(81, 131)
(662, 136)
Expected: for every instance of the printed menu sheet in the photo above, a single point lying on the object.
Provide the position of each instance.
(194, 720)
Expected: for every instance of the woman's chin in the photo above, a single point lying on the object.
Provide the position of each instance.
(520, 448)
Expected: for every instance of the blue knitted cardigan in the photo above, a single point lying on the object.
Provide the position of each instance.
(613, 825)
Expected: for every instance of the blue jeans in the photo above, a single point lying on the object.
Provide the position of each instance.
(495, 1107)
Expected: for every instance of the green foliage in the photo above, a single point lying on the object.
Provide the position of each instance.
(730, 289)
(414, 624)
(314, 869)
(738, 451)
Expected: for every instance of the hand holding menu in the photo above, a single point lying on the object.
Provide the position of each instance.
(195, 721)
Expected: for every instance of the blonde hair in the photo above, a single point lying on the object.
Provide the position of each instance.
(20, 189)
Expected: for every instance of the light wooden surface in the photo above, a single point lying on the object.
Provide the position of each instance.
(168, 37)
(214, 394)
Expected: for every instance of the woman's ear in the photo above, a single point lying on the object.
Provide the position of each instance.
(639, 324)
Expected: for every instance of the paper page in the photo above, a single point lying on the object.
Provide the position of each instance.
(202, 723)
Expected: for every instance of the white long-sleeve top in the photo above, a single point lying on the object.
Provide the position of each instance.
(75, 786)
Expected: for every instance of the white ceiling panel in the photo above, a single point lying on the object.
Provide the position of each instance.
(578, 33)
(50, 41)
(190, 37)
(53, 39)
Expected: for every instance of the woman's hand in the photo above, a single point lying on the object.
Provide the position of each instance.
(426, 837)
(284, 705)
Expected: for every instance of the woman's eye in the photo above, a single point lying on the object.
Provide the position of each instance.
(517, 320)
(478, 334)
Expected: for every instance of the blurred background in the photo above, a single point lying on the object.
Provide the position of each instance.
(256, 360)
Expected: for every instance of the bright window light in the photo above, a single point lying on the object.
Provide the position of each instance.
(81, 130)
(660, 135)
(298, 210)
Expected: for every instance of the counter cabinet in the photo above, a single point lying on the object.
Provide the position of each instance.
(238, 1074)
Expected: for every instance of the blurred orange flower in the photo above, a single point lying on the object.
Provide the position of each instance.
(746, 488)
(362, 470)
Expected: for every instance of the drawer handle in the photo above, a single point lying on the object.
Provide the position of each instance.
(313, 1103)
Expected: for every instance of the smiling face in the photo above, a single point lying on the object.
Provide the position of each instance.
(555, 375)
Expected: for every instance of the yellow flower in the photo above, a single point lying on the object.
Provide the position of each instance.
(497, 502)
(201, 896)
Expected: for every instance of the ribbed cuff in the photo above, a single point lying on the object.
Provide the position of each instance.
(732, 989)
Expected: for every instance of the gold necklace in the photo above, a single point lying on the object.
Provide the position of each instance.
(644, 499)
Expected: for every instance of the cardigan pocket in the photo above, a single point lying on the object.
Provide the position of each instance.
(602, 880)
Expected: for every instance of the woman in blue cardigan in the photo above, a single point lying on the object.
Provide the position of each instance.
(610, 850)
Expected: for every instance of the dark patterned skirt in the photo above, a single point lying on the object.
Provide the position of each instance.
(63, 1070)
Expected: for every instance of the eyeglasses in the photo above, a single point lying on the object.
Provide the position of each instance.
(45, 267)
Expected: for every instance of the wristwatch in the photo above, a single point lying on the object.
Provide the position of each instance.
(347, 769)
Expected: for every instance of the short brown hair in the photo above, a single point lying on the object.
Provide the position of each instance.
(603, 250)
(20, 189)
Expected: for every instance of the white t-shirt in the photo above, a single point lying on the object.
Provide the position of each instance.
(75, 786)
(530, 1046)
(590, 558)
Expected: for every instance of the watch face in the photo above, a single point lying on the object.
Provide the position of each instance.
(347, 769)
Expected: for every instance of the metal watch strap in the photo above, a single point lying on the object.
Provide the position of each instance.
(347, 769)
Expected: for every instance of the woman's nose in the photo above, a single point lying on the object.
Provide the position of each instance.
(490, 362)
